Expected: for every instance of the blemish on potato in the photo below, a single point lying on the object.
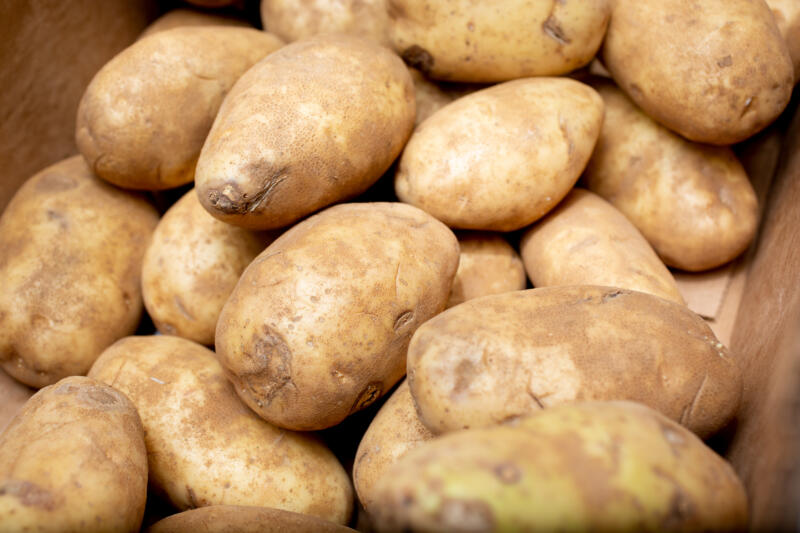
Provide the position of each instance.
(507, 473)
(29, 494)
(419, 58)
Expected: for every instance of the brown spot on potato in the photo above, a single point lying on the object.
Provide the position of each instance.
(724, 62)
(29, 494)
(507, 473)
(367, 396)
(419, 58)
(104, 398)
(272, 358)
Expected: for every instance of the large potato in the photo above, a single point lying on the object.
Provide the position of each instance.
(205, 447)
(318, 325)
(144, 117)
(312, 124)
(787, 17)
(181, 17)
(73, 460)
(241, 519)
(499, 40)
(692, 202)
(500, 158)
(71, 249)
(586, 241)
(504, 356)
(714, 71)
(614, 466)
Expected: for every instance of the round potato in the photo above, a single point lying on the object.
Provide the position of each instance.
(318, 325)
(71, 249)
(191, 267)
(787, 17)
(586, 241)
(692, 202)
(145, 115)
(179, 18)
(241, 519)
(601, 466)
(715, 71)
(496, 41)
(500, 158)
(499, 357)
(73, 460)
(312, 124)
(205, 447)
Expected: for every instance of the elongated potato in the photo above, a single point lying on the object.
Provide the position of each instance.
(71, 249)
(240, 519)
(586, 241)
(500, 158)
(599, 466)
(714, 71)
(499, 40)
(504, 356)
(205, 447)
(315, 123)
(318, 325)
(787, 18)
(692, 202)
(181, 17)
(73, 460)
(144, 117)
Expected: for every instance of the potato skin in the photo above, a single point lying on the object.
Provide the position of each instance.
(787, 18)
(71, 249)
(318, 325)
(692, 202)
(340, 111)
(191, 267)
(587, 241)
(496, 41)
(241, 519)
(14, 395)
(73, 459)
(181, 17)
(715, 71)
(499, 357)
(598, 466)
(145, 115)
(205, 447)
(500, 158)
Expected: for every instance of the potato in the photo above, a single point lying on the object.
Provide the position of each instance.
(191, 268)
(499, 357)
(600, 466)
(429, 96)
(586, 241)
(692, 202)
(73, 460)
(179, 18)
(394, 431)
(500, 158)
(143, 119)
(487, 265)
(318, 325)
(14, 395)
(240, 519)
(787, 18)
(71, 249)
(715, 71)
(496, 41)
(205, 447)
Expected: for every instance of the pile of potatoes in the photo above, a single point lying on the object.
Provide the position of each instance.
(332, 225)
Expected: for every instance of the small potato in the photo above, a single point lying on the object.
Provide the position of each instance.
(586, 241)
(191, 268)
(179, 18)
(71, 249)
(692, 202)
(205, 447)
(787, 17)
(499, 40)
(144, 117)
(487, 264)
(600, 466)
(715, 71)
(318, 325)
(500, 158)
(240, 519)
(73, 460)
(500, 357)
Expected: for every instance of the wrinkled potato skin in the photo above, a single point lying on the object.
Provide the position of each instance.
(787, 17)
(500, 158)
(191, 267)
(73, 459)
(394, 431)
(144, 117)
(179, 18)
(318, 325)
(587, 241)
(240, 519)
(692, 202)
(205, 447)
(599, 466)
(71, 249)
(496, 41)
(339, 111)
(715, 72)
(487, 265)
(499, 357)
